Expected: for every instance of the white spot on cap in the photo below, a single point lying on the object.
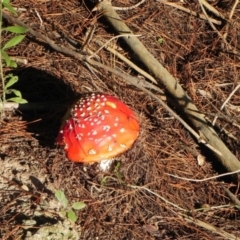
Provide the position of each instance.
(114, 135)
(70, 126)
(98, 100)
(82, 114)
(91, 123)
(89, 109)
(81, 126)
(94, 132)
(117, 119)
(115, 124)
(92, 152)
(106, 111)
(106, 128)
(78, 137)
(110, 148)
(98, 140)
(99, 122)
(88, 103)
(103, 103)
(61, 131)
(123, 146)
(122, 130)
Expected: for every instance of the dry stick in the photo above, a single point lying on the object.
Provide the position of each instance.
(133, 81)
(212, 9)
(126, 60)
(105, 44)
(232, 196)
(202, 16)
(204, 179)
(225, 102)
(160, 73)
(129, 8)
(230, 18)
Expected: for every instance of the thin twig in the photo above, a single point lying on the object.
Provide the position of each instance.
(205, 179)
(126, 60)
(88, 36)
(213, 10)
(177, 6)
(105, 44)
(124, 8)
(225, 102)
(232, 196)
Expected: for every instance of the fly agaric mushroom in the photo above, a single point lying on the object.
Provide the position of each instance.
(98, 128)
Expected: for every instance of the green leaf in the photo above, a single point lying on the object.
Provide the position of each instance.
(63, 214)
(17, 100)
(6, 57)
(117, 167)
(13, 41)
(17, 93)
(10, 82)
(15, 29)
(9, 7)
(61, 198)
(160, 40)
(72, 216)
(13, 64)
(6, 1)
(78, 205)
(104, 181)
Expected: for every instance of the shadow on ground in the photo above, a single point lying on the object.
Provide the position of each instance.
(48, 99)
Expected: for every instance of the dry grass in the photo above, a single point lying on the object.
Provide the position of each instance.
(138, 201)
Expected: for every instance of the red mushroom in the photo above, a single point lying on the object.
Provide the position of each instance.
(98, 127)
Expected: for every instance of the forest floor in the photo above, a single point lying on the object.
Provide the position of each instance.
(136, 199)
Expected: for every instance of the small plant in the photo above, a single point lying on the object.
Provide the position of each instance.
(160, 40)
(68, 211)
(10, 79)
(116, 173)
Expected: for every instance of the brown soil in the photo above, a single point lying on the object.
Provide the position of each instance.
(138, 200)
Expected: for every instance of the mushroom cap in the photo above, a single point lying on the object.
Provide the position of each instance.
(98, 127)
